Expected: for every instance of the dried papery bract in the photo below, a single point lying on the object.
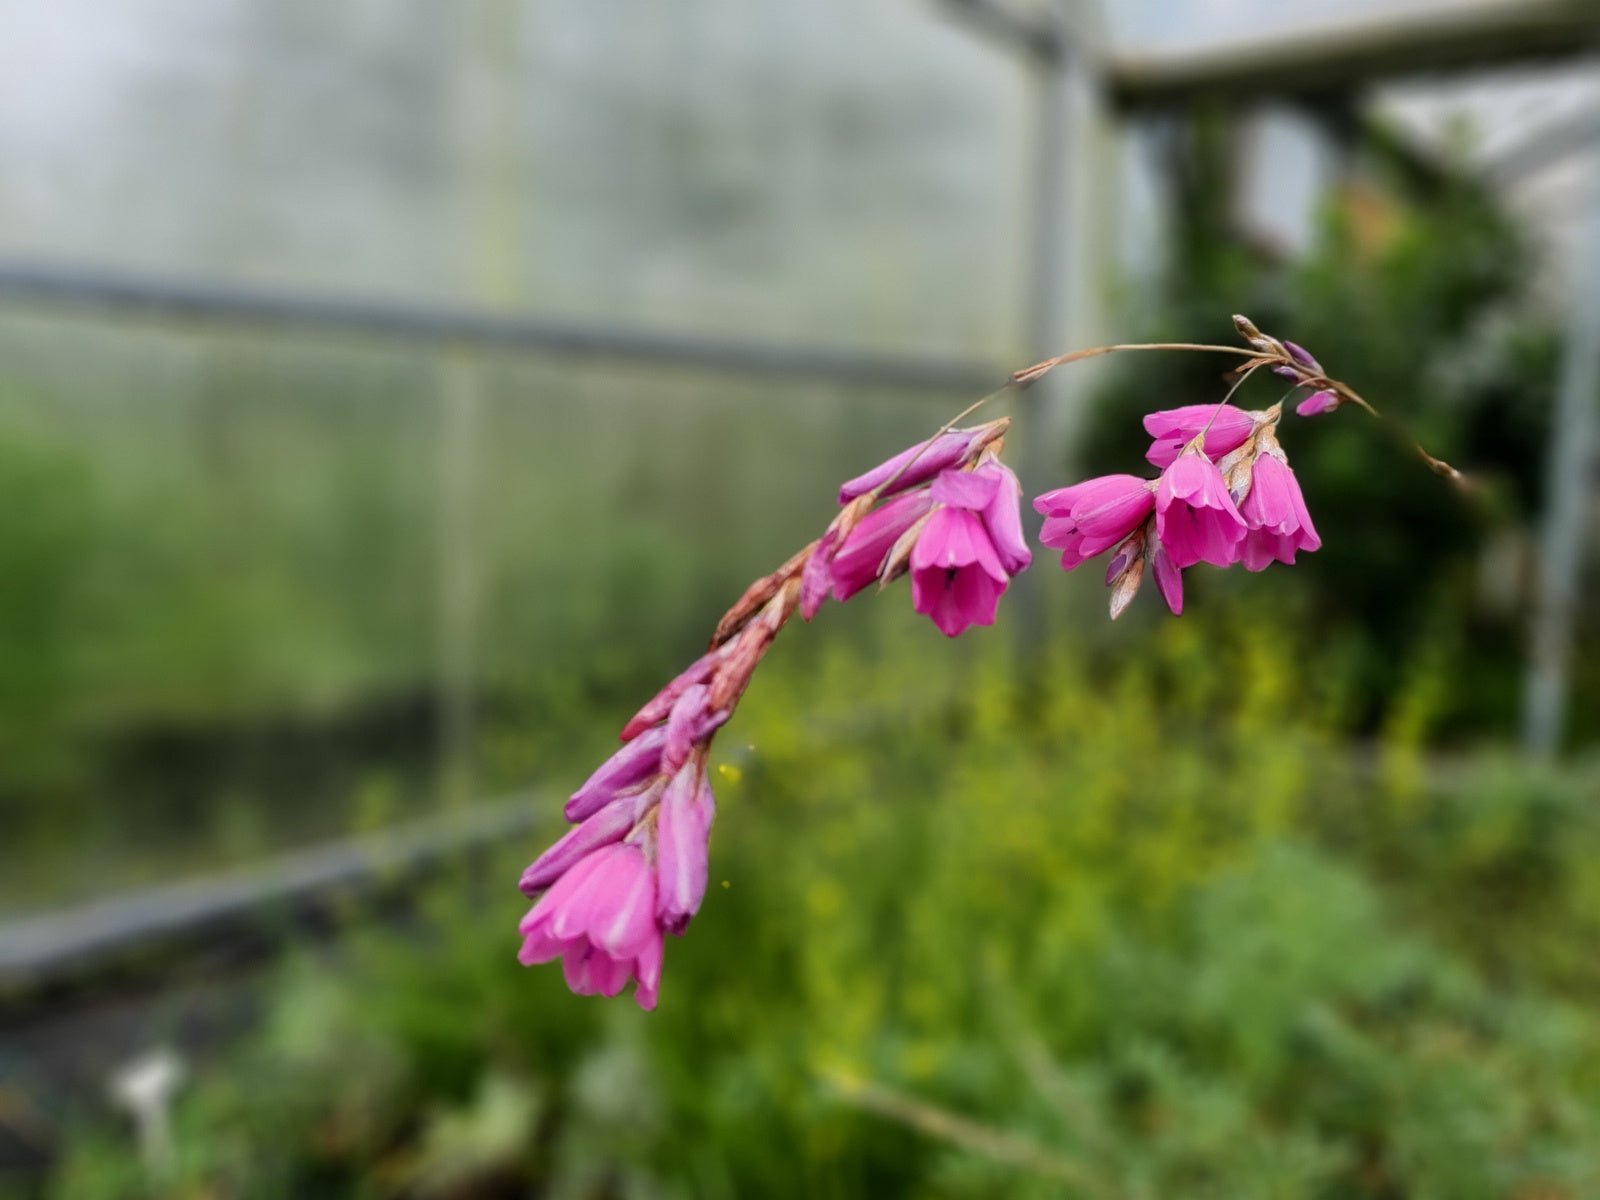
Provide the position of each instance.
(947, 512)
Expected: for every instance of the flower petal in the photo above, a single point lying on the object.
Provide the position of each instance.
(972, 490)
(946, 450)
(1002, 517)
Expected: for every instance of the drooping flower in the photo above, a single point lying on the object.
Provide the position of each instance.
(960, 537)
(1196, 519)
(956, 577)
(1089, 518)
(969, 547)
(1175, 428)
(600, 919)
(906, 472)
(1275, 511)
(648, 808)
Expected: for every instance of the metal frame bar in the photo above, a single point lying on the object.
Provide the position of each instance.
(1569, 465)
(42, 954)
(1470, 37)
(214, 303)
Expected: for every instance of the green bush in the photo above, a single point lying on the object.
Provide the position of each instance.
(976, 930)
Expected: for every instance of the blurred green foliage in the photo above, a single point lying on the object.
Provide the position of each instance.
(1137, 930)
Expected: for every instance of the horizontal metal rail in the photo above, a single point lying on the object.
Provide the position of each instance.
(39, 954)
(1467, 37)
(198, 302)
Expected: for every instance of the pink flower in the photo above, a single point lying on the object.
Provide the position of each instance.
(1275, 512)
(1196, 519)
(969, 548)
(1089, 518)
(956, 576)
(961, 538)
(858, 561)
(1318, 403)
(1175, 428)
(947, 450)
(635, 865)
(600, 919)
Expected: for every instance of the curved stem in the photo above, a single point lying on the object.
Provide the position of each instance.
(1437, 465)
(1029, 374)
(1200, 438)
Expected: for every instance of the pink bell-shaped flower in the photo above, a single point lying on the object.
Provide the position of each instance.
(1196, 519)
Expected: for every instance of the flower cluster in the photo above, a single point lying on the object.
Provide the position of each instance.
(1225, 495)
(946, 512)
(954, 522)
(633, 866)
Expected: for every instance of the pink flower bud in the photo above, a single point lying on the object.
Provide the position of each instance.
(1318, 403)
(857, 562)
(1169, 580)
(1302, 356)
(610, 824)
(817, 576)
(683, 828)
(628, 767)
(947, 450)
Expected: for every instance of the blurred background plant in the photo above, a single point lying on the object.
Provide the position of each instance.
(389, 400)
(1140, 932)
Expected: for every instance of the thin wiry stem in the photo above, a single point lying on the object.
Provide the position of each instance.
(1200, 439)
(1040, 369)
(1261, 358)
(1345, 392)
(956, 1129)
(1028, 374)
